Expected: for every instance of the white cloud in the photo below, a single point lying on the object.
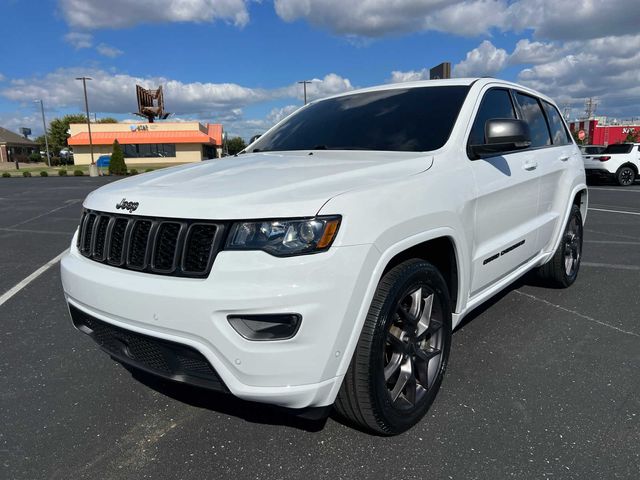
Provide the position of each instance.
(468, 18)
(79, 39)
(551, 19)
(2, 77)
(247, 128)
(277, 114)
(578, 19)
(113, 93)
(375, 18)
(398, 76)
(13, 122)
(96, 14)
(484, 60)
(530, 52)
(331, 84)
(611, 76)
(108, 51)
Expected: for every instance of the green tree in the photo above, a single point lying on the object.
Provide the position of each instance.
(40, 141)
(107, 120)
(58, 129)
(633, 136)
(235, 145)
(116, 164)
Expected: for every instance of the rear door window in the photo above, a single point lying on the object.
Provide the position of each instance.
(532, 114)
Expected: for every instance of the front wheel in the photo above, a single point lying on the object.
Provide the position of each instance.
(402, 352)
(625, 176)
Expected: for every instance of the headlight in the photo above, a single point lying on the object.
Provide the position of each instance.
(284, 237)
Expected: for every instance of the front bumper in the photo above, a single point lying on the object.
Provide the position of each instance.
(326, 289)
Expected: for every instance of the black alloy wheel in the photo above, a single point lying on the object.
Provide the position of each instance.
(402, 352)
(626, 176)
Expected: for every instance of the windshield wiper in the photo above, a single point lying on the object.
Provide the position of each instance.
(319, 147)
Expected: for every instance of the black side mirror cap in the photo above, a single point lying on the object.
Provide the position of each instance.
(502, 135)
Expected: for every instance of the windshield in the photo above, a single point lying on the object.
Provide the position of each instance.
(409, 119)
(619, 148)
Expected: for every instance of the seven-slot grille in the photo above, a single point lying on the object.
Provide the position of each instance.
(165, 246)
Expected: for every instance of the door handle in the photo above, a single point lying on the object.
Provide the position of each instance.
(564, 158)
(530, 165)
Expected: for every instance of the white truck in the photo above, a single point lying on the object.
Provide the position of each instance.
(329, 263)
(619, 161)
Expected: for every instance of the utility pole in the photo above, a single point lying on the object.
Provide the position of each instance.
(304, 84)
(93, 168)
(44, 125)
(590, 107)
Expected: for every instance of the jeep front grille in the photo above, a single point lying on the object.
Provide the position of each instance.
(164, 246)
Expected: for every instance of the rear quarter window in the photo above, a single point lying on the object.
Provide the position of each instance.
(559, 134)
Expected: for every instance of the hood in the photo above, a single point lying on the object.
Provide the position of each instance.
(256, 185)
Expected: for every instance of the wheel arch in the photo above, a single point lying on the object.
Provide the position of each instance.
(633, 166)
(441, 253)
(581, 199)
(424, 245)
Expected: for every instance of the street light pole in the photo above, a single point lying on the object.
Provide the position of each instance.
(304, 84)
(93, 168)
(44, 125)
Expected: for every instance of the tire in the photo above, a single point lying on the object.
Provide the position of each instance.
(562, 270)
(625, 176)
(402, 352)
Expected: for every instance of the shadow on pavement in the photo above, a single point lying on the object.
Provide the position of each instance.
(227, 404)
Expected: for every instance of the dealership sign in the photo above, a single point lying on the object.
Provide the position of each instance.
(139, 128)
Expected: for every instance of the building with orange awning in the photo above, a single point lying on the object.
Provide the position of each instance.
(164, 142)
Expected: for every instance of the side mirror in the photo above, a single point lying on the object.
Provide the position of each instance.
(502, 135)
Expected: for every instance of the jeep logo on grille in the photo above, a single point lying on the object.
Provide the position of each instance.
(124, 205)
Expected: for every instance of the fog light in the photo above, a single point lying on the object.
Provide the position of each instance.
(276, 326)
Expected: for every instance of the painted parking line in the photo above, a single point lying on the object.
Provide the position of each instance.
(611, 242)
(610, 265)
(614, 211)
(576, 313)
(68, 204)
(631, 190)
(45, 232)
(26, 281)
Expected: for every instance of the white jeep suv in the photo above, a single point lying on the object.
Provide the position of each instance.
(329, 263)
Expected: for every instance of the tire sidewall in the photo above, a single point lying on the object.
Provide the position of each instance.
(619, 176)
(575, 213)
(415, 274)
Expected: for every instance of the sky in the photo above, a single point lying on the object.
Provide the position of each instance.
(237, 62)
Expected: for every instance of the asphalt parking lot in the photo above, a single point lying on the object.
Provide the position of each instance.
(541, 383)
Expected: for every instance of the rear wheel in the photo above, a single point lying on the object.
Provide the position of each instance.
(402, 353)
(625, 176)
(562, 270)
